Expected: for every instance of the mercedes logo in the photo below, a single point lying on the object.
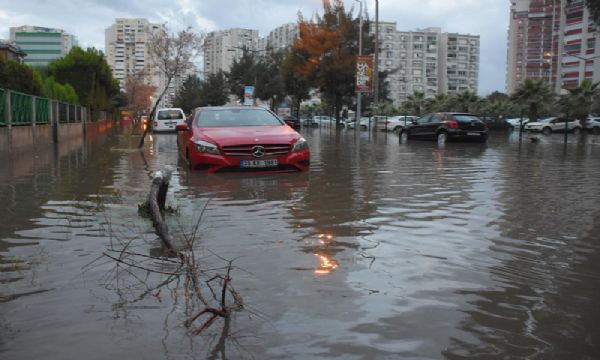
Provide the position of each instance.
(258, 151)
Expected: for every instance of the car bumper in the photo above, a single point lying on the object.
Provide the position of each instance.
(212, 163)
(475, 135)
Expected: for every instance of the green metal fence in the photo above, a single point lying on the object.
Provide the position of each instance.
(22, 113)
(2, 107)
(42, 111)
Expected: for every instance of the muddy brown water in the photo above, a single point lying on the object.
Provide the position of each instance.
(381, 251)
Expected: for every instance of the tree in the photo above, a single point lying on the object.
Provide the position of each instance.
(437, 103)
(296, 85)
(466, 101)
(214, 90)
(416, 102)
(534, 94)
(18, 77)
(269, 79)
(189, 95)
(242, 73)
(171, 54)
(60, 92)
(327, 50)
(579, 101)
(89, 74)
(594, 7)
(139, 93)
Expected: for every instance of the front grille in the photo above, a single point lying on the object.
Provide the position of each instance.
(246, 150)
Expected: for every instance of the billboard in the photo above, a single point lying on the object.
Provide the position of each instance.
(364, 73)
(249, 95)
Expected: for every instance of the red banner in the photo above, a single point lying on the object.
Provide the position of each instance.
(364, 73)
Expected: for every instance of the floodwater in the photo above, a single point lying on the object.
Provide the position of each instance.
(381, 251)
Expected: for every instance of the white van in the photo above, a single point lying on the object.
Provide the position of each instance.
(167, 119)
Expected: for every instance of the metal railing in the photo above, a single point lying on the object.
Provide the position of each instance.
(17, 109)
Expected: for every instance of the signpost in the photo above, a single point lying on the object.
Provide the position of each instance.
(249, 95)
(364, 73)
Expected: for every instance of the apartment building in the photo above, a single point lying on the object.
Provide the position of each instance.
(427, 60)
(126, 51)
(41, 44)
(552, 41)
(280, 38)
(221, 48)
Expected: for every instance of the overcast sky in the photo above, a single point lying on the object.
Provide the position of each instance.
(87, 19)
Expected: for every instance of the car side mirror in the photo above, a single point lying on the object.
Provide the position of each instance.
(181, 127)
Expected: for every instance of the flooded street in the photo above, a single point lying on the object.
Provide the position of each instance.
(380, 251)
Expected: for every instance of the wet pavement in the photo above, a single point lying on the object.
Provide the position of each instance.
(381, 251)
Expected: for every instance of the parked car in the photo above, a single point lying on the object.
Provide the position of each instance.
(593, 125)
(516, 123)
(364, 124)
(241, 138)
(395, 123)
(323, 121)
(554, 124)
(496, 123)
(167, 119)
(292, 121)
(446, 126)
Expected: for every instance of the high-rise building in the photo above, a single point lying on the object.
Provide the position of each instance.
(428, 61)
(221, 48)
(280, 38)
(42, 45)
(126, 50)
(553, 41)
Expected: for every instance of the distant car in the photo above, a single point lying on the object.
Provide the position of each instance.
(593, 125)
(396, 123)
(323, 121)
(292, 121)
(167, 119)
(446, 126)
(554, 124)
(241, 138)
(516, 123)
(364, 124)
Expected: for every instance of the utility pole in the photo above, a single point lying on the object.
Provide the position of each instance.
(376, 60)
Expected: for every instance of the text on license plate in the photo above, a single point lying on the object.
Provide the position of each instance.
(258, 163)
(472, 134)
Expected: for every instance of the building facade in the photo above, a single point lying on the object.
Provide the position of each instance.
(280, 38)
(11, 52)
(427, 60)
(551, 41)
(126, 50)
(42, 45)
(221, 48)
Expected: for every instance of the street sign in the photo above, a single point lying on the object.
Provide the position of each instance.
(364, 73)
(249, 95)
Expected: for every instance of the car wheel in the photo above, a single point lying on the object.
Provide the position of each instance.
(577, 131)
(546, 131)
(442, 137)
(403, 138)
(596, 130)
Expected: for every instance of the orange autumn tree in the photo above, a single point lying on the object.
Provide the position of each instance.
(138, 91)
(326, 51)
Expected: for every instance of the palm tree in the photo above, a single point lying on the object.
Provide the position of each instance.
(534, 94)
(437, 103)
(579, 101)
(416, 102)
(466, 101)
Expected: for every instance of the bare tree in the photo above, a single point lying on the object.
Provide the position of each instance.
(139, 91)
(171, 55)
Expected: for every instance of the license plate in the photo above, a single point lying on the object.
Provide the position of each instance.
(258, 163)
(472, 134)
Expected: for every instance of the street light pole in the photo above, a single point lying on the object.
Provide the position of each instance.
(358, 93)
(376, 60)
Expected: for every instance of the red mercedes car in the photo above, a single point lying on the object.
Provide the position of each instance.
(241, 139)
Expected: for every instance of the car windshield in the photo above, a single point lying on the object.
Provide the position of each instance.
(236, 117)
(169, 115)
(465, 118)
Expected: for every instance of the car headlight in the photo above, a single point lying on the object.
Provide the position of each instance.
(206, 147)
(301, 144)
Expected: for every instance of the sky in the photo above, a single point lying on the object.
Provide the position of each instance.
(88, 19)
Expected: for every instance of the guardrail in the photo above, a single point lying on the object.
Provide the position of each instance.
(17, 109)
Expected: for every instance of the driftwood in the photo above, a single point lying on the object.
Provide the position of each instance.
(198, 284)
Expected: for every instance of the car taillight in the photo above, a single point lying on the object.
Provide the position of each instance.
(452, 124)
